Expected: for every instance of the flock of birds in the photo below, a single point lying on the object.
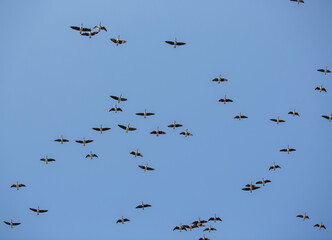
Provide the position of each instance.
(198, 223)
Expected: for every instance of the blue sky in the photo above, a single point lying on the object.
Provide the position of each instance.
(55, 82)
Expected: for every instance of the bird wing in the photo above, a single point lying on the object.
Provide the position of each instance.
(86, 29)
(153, 132)
(278, 166)
(87, 156)
(325, 117)
(176, 228)
(143, 167)
(255, 187)
(218, 218)
(319, 70)
(149, 114)
(94, 33)
(206, 229)
(283, 150)
(123, 127)
(267, 181)
(119, 109)
(103, 28)
(270, 168)
(88, 141)
(149, 168)
(124, 99)
(121, 42)
(75, 28)
(112, 109)
(317, 225)
(140, 114)
(15, 224)
(273, 120)
(79, 141)
(324, 90)
(113, 40)
(8, 223)
(21, 185)
(259, 182)
(236, 117)
(245, 189)
(282, 121)
(43, 211)
(170, 42)
(147, 205)
(85, 34)
(126, 220)
(328, 71)
(139, 206)
(180, 43)
(215, 80)
(162, 132)
(34, 210)
(292, 150)
(229, 100)
(182, 133)
(323, 227)
(94, 155)
(105, 129)
(118, 221)
(244, 116)
(51, 160)
(299, 216)
(178, 125)
(57, 140)
(114, 97)
(96, 129)
(317, 88)
(132, 129)
(14, 185)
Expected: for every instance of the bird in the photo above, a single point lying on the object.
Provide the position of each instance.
(277, 120)
(274, 167)
(100, 27)
(303, 216)
(11, 223)
(240, 116)
(174, 125)
(90, 34)
(186, 133)
(215, 219)
(288, 150)
(81, 28)
(123, 220)
(250, 187)
(192, 226)
(298, 1)
(199, 222)
(325, 71)
(61, 140)
(143, 206)
(118, 41)
(209, 229)
(127, 128)
(320, 89)
(146, 168)
(90, 155)
(17, 186)
(320, 226)
(84, 141)
(46, 159)
(219, 79)
(175, 43)
(328, 117)
(119, 99)
(101, 129)
(136, 153)
(181, 227)
(263, 182)
(38, 210)
(115, 109)
(225, 100)
(204, 238)
(294, 113)
(145, 114)
(157, 132)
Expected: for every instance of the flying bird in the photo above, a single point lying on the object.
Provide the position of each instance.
(320, 89)
(199, 222)
(325, 71)
(38, 210)
(119, 99)
(192, 226)
(303, 216)
(118, 41)
(146, 168)
(298, 1)
(100, 27)
(84, 141)
(123, 220)
(215, 219)
(288, 150)
(250, 187)
(240, 116)
(294, 113)
(17, 186)
(157, 132)
(81, 28)
(274, 167)
(277, 120)
(11, 223)
(101, 129)
(204, 238)
(143, 206)
(328, 117)
(220, 79)
(89, 34)
(225, 100)
(209, 229)
(61, 140)
(174, 125)
(263, 182)
(175, 43)
(136, 153)
(90, 155)
(46, 159)
(127, 128)
(115, 109)
(181, 227)
(186, 133)
(145, 114)
(320, 226)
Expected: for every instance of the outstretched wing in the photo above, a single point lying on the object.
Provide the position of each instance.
(132, 129)
(169, 42)
(114, 97)
(180, 43)
(103, 28)
(123, 127)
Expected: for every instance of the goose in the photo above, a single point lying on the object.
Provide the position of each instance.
(91, 155)
(320, 89)
(199, 222)
(118, 41)
(240, 116)
(157, 132)
(17, 186)
(38, 210)
(303, 216)
(186, 133)
(277, 120)
(143, 206)
(46, 159)
(115, 109)
(101, 129)
(100, 27)
(61, 140)
(288, 150)
(298, 1)
(225, 100)
(328, 117)
(192, 226)
(175, 43)
(90, 34)
(325, 71)
(81, 28)
(123, 220)
(174, 125)
(263, 182)
(181, 227)
(215, 219)
(294, 113)
(136, 153)
(145, 114)
(127, 128)
(250, 187)
(119, 99)
(274, 167)
(209, 229)
(204, 238)
(11, 223)
(320, 226)
(84, 141)
(146, 168)
(220, 79)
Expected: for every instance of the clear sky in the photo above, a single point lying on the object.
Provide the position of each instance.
(55, 82)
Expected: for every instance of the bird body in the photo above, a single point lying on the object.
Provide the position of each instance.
(46, 159)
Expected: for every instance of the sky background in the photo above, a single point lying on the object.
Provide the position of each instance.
(55, 82)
